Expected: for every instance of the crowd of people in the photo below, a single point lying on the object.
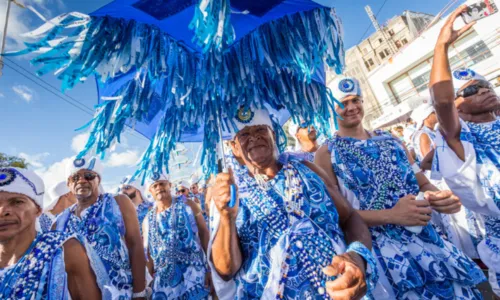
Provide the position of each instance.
(364, 215)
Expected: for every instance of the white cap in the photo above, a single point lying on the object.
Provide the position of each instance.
(22, 181)
(85, 163)
(193, 180)
(183, 183)
(344, 86)
(136, 184)
(421, 113)
(249, 116)
(461, 76)
(56, 192)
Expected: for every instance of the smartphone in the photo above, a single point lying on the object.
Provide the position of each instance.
(479, 10)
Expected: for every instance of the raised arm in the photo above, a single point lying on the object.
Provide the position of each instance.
(134, 243)
(226, 251)
(441, 84)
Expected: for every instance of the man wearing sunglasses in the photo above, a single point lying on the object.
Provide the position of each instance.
(306, 140)
(468, 149)
(109, 227)
(135, 192)
(176, 239)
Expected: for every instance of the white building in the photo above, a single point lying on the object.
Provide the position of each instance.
(405, 77)
(377, 49)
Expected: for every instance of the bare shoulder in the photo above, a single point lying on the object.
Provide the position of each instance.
(124, 203)
(323, 150)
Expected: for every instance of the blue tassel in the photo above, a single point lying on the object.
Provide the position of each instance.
(274, 64)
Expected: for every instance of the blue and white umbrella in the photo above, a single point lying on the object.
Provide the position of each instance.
(179, 70)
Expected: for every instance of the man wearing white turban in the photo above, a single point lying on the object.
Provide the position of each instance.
(176, 238)
(468, 147)
(287, 234)
(49, 265)
(110, 230)
(306, 138)
(374, 171)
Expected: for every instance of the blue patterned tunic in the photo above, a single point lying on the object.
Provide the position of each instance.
(45, 221)
(102, 228)
(374, 174)
(285, 244)
(142, 210)
(179, 260)
(40, 273)
(477, 181)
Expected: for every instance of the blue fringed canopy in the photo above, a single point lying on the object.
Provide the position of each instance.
(174, 70)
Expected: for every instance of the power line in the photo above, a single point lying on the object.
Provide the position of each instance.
(370, 25)
(74, 102)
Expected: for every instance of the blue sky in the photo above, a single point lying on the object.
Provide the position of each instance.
(39, 125)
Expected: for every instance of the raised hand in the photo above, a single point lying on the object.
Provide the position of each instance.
(448, 35)
(221, 194)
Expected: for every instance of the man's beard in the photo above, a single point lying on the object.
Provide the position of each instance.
(132, 195)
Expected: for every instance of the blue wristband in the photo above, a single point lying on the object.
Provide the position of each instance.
(371, 264)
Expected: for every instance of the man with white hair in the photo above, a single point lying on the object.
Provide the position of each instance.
(468, 147)
(306, 138)
(49, 265)
(374, 171)
(110, 230)
(426, 120)
(176, 238)
(60, 198)
(135, 192)
(289, 233)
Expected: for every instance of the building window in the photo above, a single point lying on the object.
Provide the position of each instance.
(367, 66)
(387, 53)
(398, 44)
(404, 41)
(380, 40)
(370, 61)
(382, 55)
(471, 55)
(391, 32)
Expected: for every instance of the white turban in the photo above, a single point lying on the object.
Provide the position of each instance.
(249, 116)
(156, 176)
(462, 76)
(22, 181)
(56, 192)
(421, 113)
(136, 184)
(90, 163)
(344, 86)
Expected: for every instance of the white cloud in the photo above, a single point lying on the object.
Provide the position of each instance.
(24, 92)
(35, 160)
(1, 95)
(79, 141)
(53, 175)
(127, 158)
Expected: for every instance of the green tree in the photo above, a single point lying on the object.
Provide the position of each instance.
(12, 161)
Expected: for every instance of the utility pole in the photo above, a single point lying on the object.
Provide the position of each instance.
(369, 11)
(4, 35)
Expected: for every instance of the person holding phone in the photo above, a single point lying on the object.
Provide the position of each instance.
(468, 152)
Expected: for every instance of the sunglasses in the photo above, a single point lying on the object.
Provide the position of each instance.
(127, 187)
(182, 190)
(88, 176)
(472, 90)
